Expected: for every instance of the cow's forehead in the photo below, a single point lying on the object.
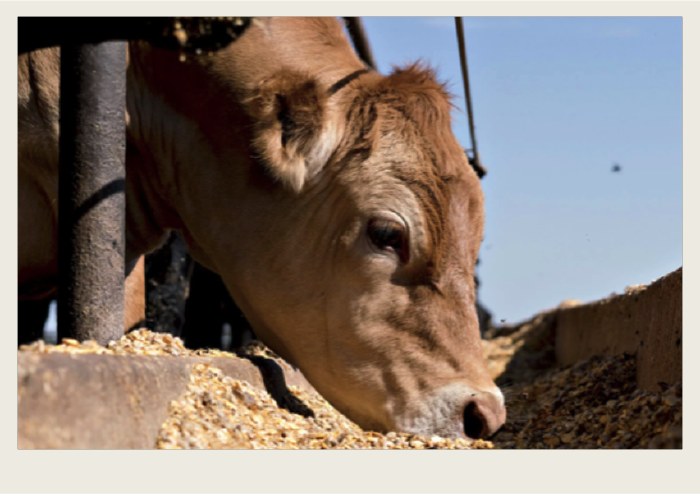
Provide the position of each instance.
(402, 123)
(435, 169)
(404, 172)
(410, 105)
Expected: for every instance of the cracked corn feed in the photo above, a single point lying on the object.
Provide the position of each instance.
(139, 342)
(145, 342)
(142, 342)
(592, 405)
(220, 412)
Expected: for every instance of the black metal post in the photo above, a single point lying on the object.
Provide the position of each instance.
(92, 148)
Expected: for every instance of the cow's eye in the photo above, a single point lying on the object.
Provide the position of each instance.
(389, 234)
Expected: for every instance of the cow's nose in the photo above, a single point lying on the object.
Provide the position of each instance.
(483, 415)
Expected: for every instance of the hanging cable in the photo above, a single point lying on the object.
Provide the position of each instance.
(359, 39)
(473, 160)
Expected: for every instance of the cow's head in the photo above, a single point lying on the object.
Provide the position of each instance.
(346, 225)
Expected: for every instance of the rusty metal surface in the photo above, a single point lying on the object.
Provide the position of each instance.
(91, 191)
(115, 401)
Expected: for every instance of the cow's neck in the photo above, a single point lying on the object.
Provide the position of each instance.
(156, 136)
(182, 126)
(181, 114)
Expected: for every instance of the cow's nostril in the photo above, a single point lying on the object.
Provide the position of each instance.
(473, 421)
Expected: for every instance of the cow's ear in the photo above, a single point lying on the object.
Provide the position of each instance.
(292, 130)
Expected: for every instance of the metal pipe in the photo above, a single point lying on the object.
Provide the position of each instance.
(360, 41)
(92, 148)
(189, 34)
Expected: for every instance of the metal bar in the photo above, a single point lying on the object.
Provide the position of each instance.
(465, 77)
(359, 39)
(92, 147)
(189, 34)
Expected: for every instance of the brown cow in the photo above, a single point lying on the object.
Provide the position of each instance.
(336, 204)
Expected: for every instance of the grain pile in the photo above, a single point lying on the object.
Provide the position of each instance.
(144, 342)
(591, 405)
(594, 404)
(140, 342)
(220, 412)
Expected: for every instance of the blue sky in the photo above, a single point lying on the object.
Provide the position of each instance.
(557, 102)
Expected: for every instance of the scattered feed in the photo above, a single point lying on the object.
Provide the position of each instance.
(143, 342)
(594, 404)
(220, 412)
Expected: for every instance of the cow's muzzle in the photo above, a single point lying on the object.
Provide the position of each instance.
(456, 410)
(483, 415)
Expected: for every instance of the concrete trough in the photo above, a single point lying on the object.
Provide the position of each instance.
(645, 321)
(68, 401)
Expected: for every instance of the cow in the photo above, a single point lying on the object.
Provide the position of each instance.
(334, 201)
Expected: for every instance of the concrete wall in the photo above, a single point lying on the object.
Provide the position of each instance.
(646, 321)
(116, 401)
